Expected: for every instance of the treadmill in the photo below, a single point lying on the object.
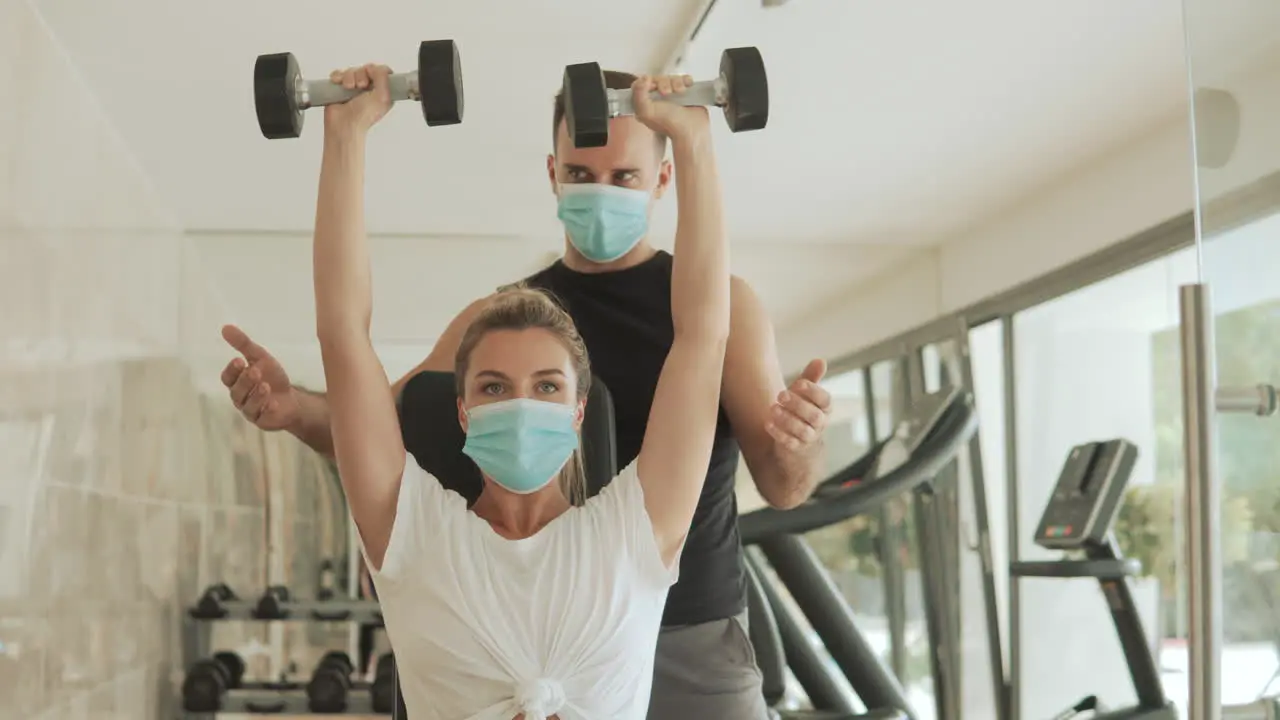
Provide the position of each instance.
(922, 445)
(1078, 520)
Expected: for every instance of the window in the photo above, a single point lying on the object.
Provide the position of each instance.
(1095, 365)
(848, 549)
(1240, 267)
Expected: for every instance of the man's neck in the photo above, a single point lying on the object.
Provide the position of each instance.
(574, 260)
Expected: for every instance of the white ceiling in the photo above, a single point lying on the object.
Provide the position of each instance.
(892, 127)
(889, 123)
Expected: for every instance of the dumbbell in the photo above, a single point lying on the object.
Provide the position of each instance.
(741, 89)
(280, 94)
(271, 605)
(330, 683)
(209, 679)
(383, 689)
(210, 606)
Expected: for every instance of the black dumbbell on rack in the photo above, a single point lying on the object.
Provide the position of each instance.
(212, 604)
(277, 604)
(208, 681)
(330, 684)
(383, 690)
(271, 606)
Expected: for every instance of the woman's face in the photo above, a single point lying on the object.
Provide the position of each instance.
(531, 364)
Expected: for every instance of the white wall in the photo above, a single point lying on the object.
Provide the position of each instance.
(1110, 199)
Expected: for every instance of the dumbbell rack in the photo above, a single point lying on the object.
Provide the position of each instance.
(271, 698)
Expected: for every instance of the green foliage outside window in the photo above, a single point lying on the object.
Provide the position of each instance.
(854, 545)
(1146, 529)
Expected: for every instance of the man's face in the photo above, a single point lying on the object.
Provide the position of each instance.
(632, 159)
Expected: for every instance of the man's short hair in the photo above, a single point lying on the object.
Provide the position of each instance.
(613, 80)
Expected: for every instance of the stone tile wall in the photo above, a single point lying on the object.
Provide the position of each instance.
(124, 489)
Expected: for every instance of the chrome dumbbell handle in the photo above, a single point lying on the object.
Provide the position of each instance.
(317, 93)
(708, 93)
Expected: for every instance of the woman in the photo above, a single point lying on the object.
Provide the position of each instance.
(533, 603)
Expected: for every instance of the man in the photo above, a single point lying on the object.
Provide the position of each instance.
(617, 288)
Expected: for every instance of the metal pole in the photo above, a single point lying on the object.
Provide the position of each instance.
(1013, 693)
(1260, 400)
(1202, 508)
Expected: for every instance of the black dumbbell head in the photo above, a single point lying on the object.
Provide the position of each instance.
(338, 660)
(234, 666)
(209, 606)
(270, 605)
(748, 105)
(275, 83)
(586, 105)
(383, 690)
(203, 686)
(440, 82)
(330, 682)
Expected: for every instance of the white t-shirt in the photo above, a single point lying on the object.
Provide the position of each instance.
(561, 623)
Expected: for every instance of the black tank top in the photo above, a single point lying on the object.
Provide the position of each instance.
(624, 318)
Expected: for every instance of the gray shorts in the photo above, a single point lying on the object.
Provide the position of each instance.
(707, 672)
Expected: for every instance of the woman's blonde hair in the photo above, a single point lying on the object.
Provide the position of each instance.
(517, 307)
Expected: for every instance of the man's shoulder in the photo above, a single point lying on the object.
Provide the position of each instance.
(540, 279)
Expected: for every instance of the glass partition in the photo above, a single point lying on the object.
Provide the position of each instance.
(1233, 50)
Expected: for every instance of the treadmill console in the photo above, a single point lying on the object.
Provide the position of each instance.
(1088, 495)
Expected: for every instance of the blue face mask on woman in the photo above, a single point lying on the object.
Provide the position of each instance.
(521, 444)
(604, 222)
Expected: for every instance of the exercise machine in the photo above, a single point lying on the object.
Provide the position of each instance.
(922, 445)
(1078, 520)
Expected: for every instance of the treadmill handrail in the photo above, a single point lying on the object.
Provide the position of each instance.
(953, 430)
(1098, 569)
(854, 471)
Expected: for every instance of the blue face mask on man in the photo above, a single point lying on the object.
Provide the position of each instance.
(604, 222)
(521, 444)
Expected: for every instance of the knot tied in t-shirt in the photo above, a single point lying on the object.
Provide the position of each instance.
(539, 699)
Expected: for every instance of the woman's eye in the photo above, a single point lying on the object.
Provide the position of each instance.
(548, 388)
(492, 389)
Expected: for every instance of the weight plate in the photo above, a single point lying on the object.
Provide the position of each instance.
(274, 96)
(586, 105)
(440, 82)
(748, 85)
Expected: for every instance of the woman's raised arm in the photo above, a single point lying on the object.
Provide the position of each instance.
(673, 460)
(366, 430)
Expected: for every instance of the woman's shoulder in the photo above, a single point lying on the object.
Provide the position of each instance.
(622, 490)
